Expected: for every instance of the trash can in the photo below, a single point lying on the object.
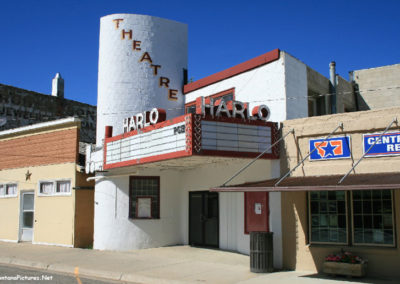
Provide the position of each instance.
(261, 252)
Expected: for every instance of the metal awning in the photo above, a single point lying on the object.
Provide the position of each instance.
(317, 183)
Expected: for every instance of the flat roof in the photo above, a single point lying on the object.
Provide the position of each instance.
(39, 125)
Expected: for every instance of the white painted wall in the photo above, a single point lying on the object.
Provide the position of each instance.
(282, 86)
(231, 212)
(113, 230)
(127, 86)
(262, 85)
(295, 87)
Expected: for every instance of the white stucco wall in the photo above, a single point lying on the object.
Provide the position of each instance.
(262, 85)
(113, 230)
(127, 85)
(295, 88)
(282, 86)
(231, 209)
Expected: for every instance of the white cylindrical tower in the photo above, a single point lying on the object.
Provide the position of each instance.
(142, 60)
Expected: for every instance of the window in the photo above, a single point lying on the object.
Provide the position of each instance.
(59, 187)
(8, 190)
(63, 187)
(328, 217)
(373, 217)
(144, 198)
(370, 217)
(227, 95)
(316, 104)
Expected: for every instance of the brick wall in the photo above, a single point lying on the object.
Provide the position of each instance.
(53, 147)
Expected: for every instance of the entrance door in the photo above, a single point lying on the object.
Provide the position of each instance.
(26, 216)
(203, 219)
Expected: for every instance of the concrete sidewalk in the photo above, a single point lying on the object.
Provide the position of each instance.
(178, 264)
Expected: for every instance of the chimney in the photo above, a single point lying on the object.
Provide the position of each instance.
(332, 79)
(58, 86)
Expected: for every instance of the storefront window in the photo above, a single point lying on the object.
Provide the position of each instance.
(370, 212)
(328, 217)
(373, 217)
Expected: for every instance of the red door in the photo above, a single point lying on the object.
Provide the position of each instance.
(256, 212)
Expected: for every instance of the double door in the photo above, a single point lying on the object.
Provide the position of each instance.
(203, 219)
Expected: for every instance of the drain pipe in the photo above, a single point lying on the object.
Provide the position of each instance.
(332, 76)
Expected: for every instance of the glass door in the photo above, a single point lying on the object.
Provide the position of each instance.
(203, 219)
(27, 216)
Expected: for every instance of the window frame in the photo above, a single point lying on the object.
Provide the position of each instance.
(393, 222)
(310, 223)
(214, 96)
(132, 214)
(4, 185)
(350, 223)
(54, 192)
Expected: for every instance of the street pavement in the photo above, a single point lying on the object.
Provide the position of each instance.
(175, 264)
(16, 274)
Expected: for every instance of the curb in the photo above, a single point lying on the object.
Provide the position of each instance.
(86, 272)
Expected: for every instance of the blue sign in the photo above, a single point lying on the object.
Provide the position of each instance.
(387, 145)
(332, 148)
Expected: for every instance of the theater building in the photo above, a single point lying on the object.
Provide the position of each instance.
(344, 193)
(162, 143)
(44, 195)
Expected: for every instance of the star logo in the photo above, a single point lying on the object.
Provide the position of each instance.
(329, 148)
(28, 175)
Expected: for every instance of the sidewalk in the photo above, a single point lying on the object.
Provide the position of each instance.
(178, 264)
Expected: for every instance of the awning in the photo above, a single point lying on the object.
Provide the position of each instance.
(317, 183)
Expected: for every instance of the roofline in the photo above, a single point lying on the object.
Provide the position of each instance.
(232, 71)
(47, 95)
(40, 125)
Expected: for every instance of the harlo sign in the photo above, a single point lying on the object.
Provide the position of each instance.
(205, 107)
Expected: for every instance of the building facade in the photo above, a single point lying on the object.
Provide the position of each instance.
(44, 195)
(340, 190)
(377, 87)
(160, 150)
(361, 215)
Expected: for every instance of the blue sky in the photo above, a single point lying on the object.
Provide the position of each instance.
(40, 37)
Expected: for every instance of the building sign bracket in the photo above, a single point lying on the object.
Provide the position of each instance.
(256, 158)
(302, 161)
(394, 121)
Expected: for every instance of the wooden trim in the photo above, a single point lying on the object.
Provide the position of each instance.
(233, 71)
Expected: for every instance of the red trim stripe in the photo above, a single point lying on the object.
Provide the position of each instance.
(235, 70)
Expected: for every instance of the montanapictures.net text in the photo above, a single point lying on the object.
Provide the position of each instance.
(26, 278)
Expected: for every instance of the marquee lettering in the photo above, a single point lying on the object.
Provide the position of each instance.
(234, 109)
(144, 119)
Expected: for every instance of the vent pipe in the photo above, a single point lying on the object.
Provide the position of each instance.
(332, 78)
(58, 86)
